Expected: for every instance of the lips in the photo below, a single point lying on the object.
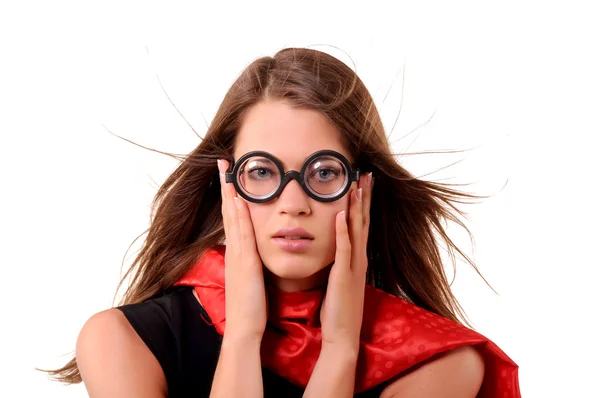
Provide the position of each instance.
(293, 234)
(293, 240)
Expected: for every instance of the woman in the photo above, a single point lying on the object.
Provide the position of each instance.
(333, 279)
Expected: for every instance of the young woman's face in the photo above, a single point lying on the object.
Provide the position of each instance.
(292, 135)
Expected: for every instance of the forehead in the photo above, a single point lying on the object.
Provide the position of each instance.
(291, 134)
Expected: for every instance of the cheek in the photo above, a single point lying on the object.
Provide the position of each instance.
(342, 204)
(258, 216)
(329, 212)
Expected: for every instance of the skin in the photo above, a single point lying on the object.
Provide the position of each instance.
(114, 361)
(292, 135)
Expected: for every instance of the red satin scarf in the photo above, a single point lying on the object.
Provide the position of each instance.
(395, 334)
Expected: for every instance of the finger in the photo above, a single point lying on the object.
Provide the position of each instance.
(358, 235)
(367, 186)
(342, 243)
(221, 165)
(246, 228)
(230, 210)
(228, 187)
(356, 219)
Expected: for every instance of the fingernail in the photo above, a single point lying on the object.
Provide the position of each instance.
(370, 179)
(221, 175)
(359, 194)
(237, 202)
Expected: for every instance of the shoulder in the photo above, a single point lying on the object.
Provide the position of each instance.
(113, 360)
(167, 339)
(456, 373)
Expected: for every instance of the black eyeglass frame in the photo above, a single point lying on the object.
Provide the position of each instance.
(353, 175)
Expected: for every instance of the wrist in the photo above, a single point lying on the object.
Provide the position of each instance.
(241, 341)
(335, 371)
(345, 351)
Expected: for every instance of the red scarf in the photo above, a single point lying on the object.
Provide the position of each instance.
(395, 334)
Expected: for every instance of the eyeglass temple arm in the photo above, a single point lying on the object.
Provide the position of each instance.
(229, 177)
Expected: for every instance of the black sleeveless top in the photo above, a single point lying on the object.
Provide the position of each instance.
(187, 347)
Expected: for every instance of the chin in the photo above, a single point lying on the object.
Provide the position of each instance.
(287, 265)
(291, 265)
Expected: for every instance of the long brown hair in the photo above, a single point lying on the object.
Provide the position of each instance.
(407, 213)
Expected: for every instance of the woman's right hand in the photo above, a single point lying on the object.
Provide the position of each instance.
(239, 371)
(245, 296)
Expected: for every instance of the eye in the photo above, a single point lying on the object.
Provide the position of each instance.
(259, 173)
(325, 175)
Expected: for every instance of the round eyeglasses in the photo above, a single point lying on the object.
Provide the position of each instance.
(259, 177)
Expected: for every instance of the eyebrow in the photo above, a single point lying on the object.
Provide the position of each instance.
(262, 161)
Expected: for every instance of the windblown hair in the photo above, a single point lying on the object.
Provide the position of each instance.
(408, 214)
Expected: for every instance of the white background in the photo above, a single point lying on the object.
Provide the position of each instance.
(518, 81)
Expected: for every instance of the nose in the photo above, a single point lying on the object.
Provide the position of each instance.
(293, 200)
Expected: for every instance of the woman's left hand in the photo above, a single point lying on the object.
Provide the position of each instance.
(342, 309)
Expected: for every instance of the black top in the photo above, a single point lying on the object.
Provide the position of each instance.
(187, 347)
